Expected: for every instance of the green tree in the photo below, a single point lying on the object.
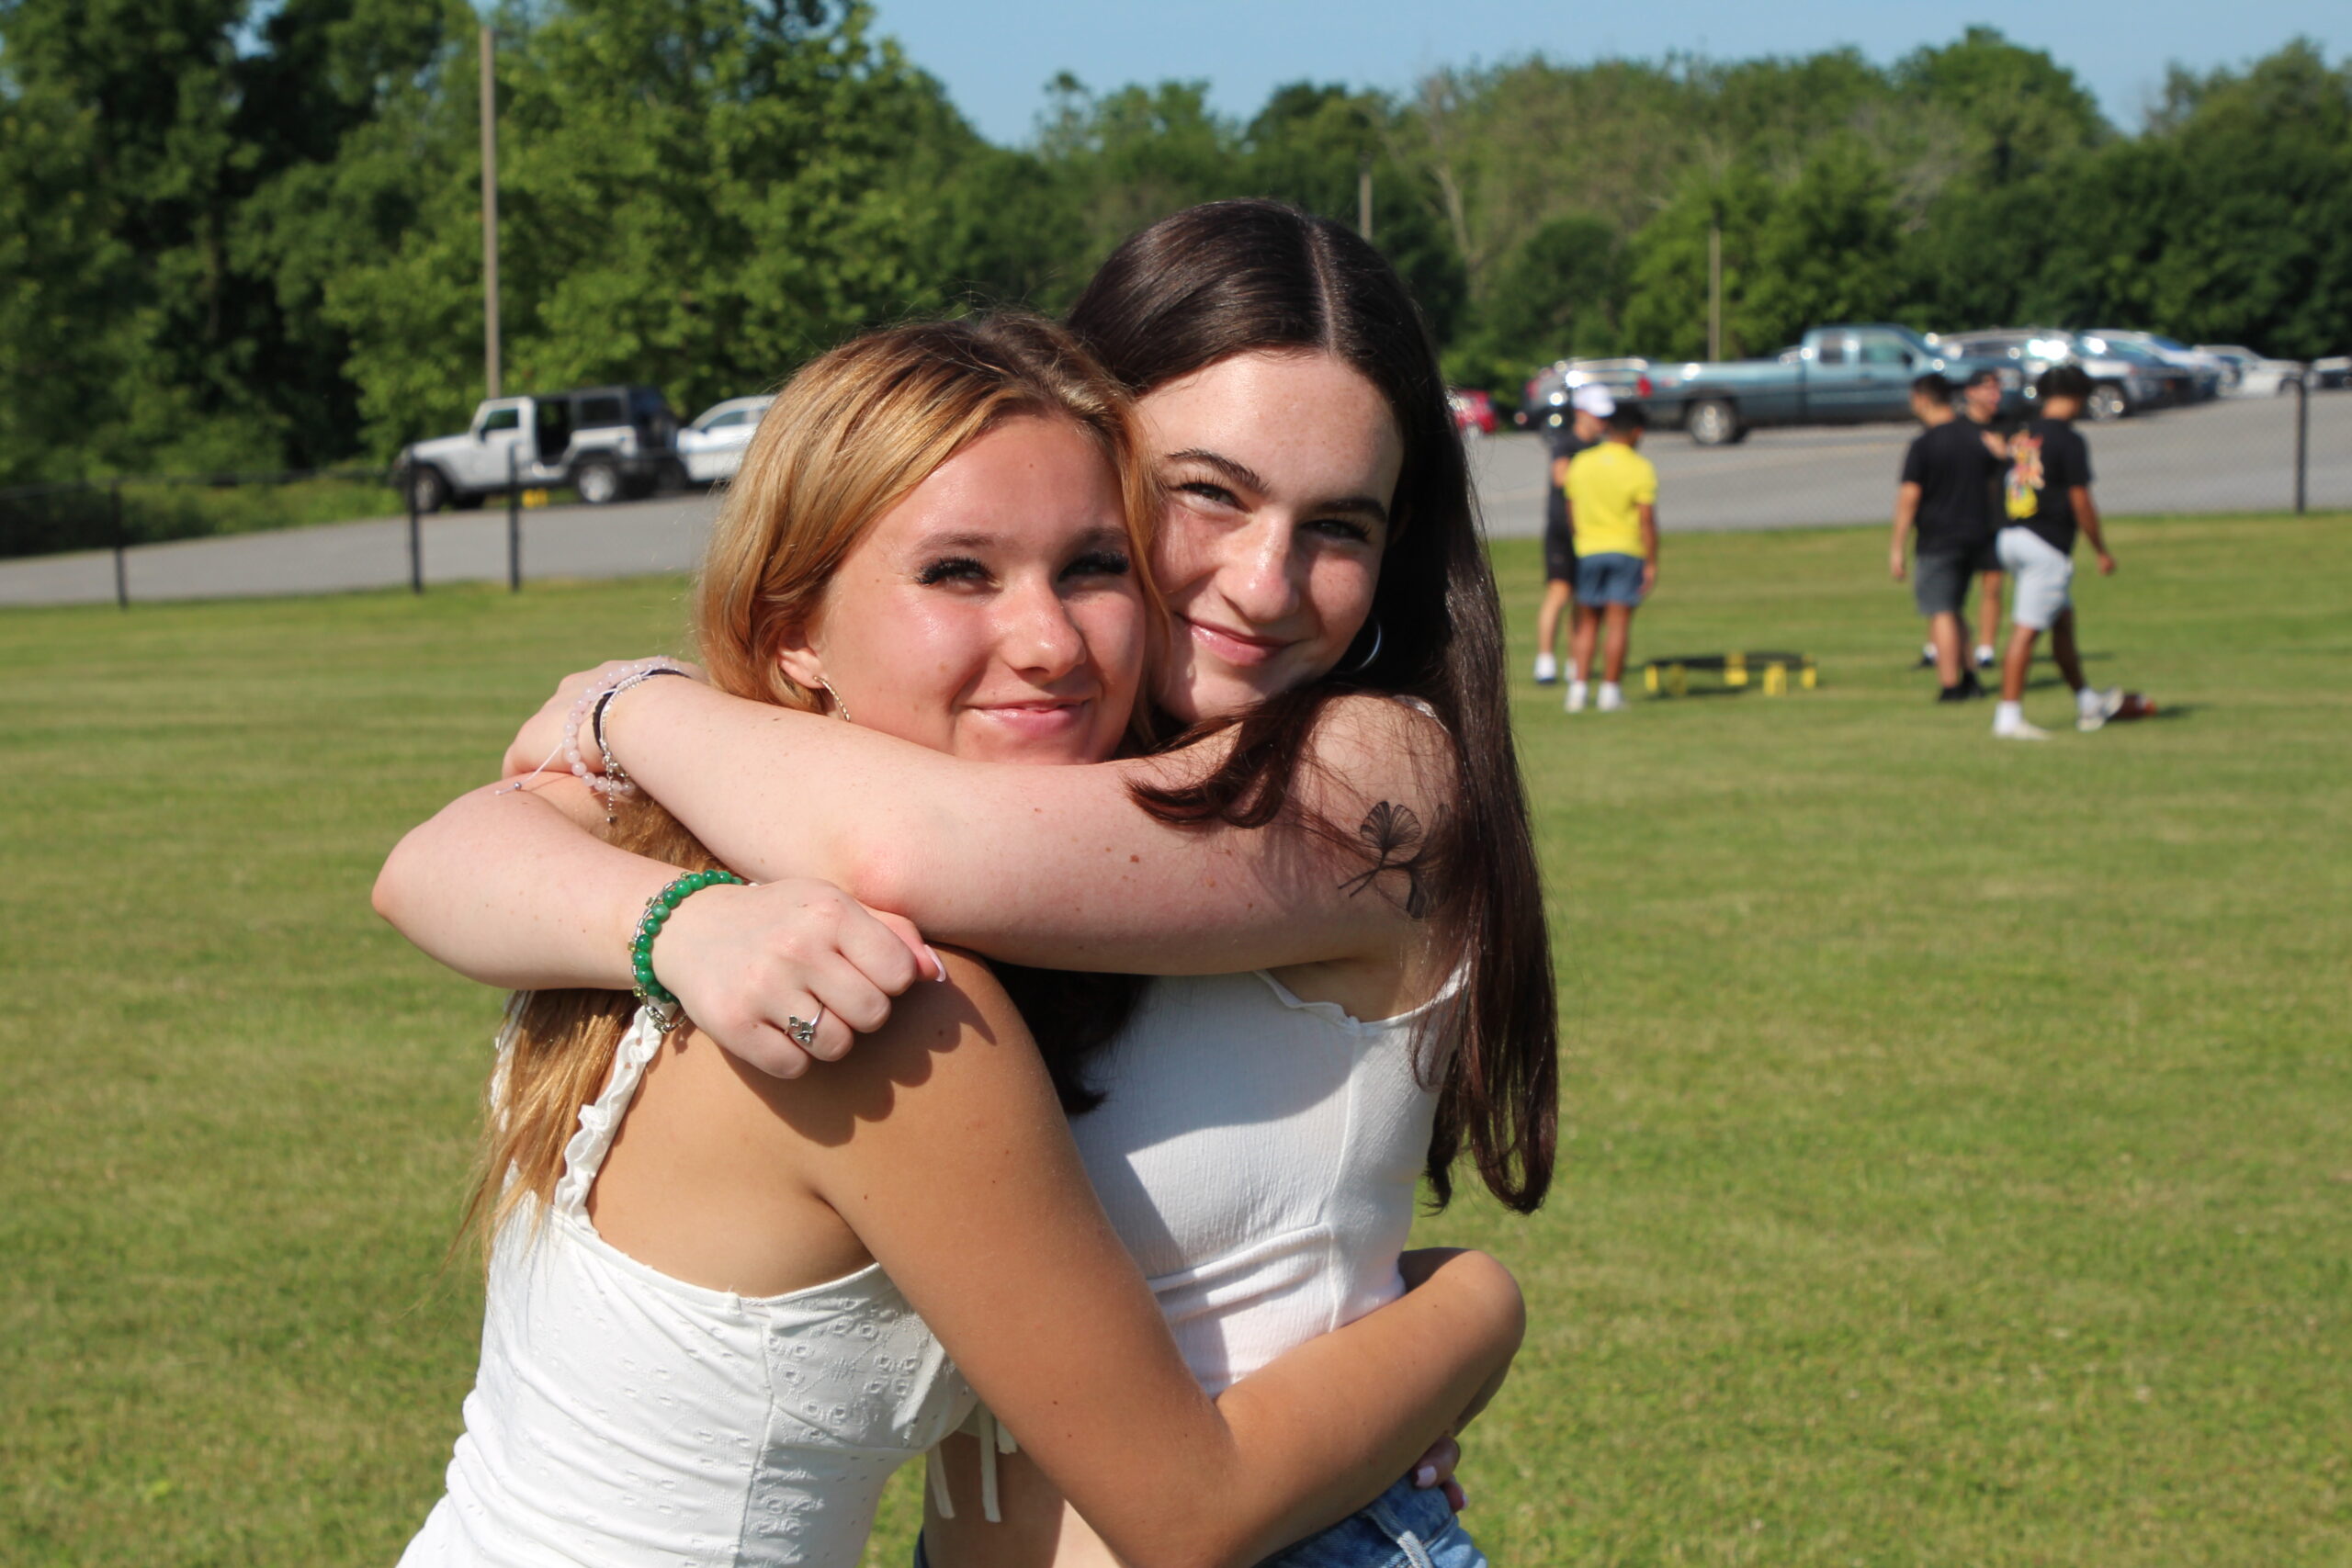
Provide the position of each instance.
(2021, 113)
(1665, 314)
(700, 194)
(1827, 251)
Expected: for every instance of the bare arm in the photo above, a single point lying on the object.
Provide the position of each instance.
(511, 885)
(1650, 546)
(942, 1147)
(2087, 517)
(1054, 866)
(1906, 510)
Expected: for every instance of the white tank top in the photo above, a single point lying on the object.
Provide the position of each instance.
(1259, 1157)
(622, 1417)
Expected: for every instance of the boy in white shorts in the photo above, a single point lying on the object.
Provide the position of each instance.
(2049, 501)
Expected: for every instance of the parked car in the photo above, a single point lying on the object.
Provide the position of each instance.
(2206, 373)
(1474, 411)
(603, 442)
(2253, 375)
(711, 448)
(2177, 382)
(1838, 375)
(1545, 401)
(2119, 386)
(2332, 373)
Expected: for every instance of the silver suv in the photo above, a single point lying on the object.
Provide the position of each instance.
(603, 442)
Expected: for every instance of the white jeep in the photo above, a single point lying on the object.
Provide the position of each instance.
(603, 442)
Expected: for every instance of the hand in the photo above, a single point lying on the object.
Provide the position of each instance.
(1649, 577)
(539, 743)
(2106, 564)
(743, 961)
(1895, 565)
(1436, 1467)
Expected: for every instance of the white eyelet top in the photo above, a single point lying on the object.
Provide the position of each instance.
(1260, 1156)
(622, 1417)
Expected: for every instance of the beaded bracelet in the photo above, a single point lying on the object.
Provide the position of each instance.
(658, 1000)
(595, 698)
(613, 770)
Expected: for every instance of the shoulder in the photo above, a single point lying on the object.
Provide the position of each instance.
(1385, 748)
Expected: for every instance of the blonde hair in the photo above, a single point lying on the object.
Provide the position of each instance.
(848, 437)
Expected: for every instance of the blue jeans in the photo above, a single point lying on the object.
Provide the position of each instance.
(1402, 1528)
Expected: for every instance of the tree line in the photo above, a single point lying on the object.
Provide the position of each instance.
(245, 234)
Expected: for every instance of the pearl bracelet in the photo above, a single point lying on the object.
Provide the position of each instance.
(612, 783)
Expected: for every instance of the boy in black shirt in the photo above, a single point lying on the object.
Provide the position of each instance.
(1946, 488)
(1588, 410)
(1979, 399)
(2049, 501)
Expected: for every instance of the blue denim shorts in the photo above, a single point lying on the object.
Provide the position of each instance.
(1609, 577)
(1402, 1528)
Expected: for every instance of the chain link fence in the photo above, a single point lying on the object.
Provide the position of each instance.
(231, 535)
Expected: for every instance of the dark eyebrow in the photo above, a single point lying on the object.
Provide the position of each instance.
(1244, 475)
(1239, 472)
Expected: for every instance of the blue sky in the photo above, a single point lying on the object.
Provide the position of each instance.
(996, 59)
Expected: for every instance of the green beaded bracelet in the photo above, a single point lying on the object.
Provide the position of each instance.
(658, 998)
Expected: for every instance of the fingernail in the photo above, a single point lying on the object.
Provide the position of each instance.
(1425, 1477)
(938, 964)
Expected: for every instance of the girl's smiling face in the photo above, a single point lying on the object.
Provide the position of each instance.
(1281, 470)
(994, 613)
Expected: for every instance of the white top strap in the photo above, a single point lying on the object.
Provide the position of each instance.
(583, 1157)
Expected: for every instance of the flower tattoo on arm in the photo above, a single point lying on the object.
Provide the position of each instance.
(1391, 834)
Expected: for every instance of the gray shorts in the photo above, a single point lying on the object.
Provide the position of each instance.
(1611, 577)
(1940, 579)
(2040, 579)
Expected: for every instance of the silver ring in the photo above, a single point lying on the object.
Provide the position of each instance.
(804, 1031)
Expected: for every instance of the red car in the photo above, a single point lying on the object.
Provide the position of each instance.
(1472, 410)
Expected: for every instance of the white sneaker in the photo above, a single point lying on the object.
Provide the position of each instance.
(1983, 656)
(1577, 690)
(2094, 707)
(2013, 726)
(1612, 697)
(1547, 668)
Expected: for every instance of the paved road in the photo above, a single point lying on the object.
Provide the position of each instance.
(2233, 455)
(2236, 455)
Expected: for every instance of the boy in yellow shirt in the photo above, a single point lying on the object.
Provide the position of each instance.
(1612, 508)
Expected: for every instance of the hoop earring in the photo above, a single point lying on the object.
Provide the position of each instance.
(839, 706)
(1370, 657)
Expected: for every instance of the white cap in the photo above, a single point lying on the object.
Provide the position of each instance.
(1592, 398)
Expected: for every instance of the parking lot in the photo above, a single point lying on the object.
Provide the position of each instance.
(2230, 455)
(2235, 455)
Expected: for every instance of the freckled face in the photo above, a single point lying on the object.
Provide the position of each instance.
(994, 613)
(1281, 470)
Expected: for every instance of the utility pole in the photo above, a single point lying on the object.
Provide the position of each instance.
(1363, 196)
(490, 366)
(1715, 284)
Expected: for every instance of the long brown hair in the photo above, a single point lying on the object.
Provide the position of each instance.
(1235, 277)
(845, 440)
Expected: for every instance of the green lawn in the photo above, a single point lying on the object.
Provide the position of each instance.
(1959, 1142)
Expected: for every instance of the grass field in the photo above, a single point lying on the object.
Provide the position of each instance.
(1961, 1134)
